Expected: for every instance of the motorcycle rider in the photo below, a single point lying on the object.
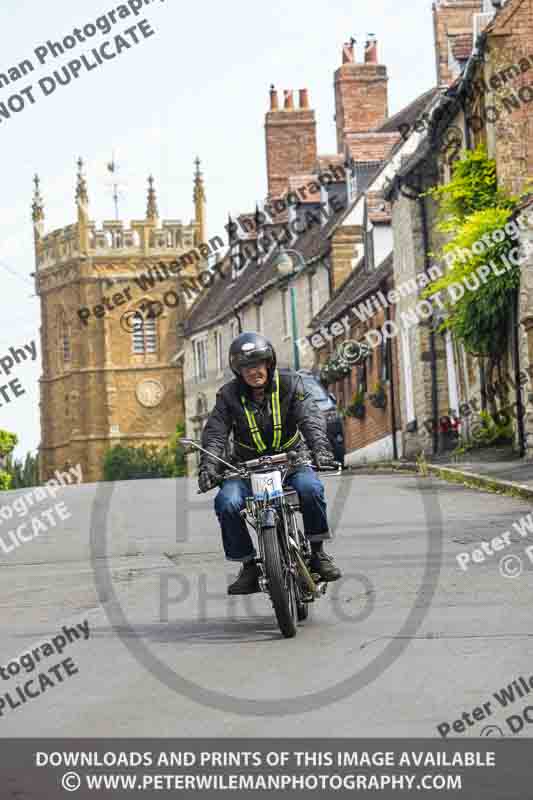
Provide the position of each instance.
(269, 411)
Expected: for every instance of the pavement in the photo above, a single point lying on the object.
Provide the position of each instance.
(494, 469)
(405, 642)
(515, 471)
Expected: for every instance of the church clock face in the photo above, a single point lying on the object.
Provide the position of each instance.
(149, 393)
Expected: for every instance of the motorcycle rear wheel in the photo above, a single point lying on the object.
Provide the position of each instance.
(281, 584)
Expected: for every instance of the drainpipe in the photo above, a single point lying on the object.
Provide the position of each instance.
(390, 366)
(432, 348)
(239, 323)
(518, 386)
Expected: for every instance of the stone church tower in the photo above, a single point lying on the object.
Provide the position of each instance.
(111, 369)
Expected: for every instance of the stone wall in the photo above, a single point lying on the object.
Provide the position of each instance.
(105, 394)
(414, 344)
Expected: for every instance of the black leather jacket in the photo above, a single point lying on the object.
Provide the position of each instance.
(299, 412)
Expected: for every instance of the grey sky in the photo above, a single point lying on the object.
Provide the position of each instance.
(198, 86)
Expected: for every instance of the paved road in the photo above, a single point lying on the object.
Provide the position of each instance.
(408, 639)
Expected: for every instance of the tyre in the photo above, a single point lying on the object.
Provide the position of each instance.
(302, 610)
(280, 582)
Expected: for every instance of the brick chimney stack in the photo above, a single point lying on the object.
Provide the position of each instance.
(453, 24)
(361, 95)
(290, 134)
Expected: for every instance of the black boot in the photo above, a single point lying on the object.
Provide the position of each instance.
(323, 564)
(247, 581)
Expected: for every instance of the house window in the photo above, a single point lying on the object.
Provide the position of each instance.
(362, 377)
(200, 359)
(233, 329)
(284, 311)
(236, 262)
(351, 184)
(144, 334)
(312, 295)
(259, 318)
(219, 354)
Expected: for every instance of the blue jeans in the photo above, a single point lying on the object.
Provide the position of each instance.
(230, 501)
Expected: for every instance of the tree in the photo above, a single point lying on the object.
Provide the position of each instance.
(23, 474)
(132, 463)
(8, 442)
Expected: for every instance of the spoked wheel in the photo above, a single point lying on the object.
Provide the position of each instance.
(281, 584)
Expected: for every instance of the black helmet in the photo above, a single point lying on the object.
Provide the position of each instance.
(249, 349)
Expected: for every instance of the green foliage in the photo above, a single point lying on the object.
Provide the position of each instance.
(132, 463)
(5, 481)
(177, 452)
(357, 405)
(473, 187)
(493, 430)
(489, 431)
(378, 398)
(334, 369)
(8, 442)
(24, 473)
(472, 208)
(480, 318)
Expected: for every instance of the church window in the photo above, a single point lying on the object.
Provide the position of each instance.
(65, 351)
(144, 334)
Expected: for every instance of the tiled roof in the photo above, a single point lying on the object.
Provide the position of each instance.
(355, 288)
(374, 145)
(411, 112)
(225, 296)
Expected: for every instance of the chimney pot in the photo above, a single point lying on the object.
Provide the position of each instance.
(289, 103)
(304, 98)
(371, 52)
(348, 52)
(274, 104)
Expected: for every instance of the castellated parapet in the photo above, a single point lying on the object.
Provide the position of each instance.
(114, 240)
(108, 383)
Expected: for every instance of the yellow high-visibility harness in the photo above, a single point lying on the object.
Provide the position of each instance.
(276, 418)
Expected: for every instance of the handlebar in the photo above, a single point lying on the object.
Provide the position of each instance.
(265, 461)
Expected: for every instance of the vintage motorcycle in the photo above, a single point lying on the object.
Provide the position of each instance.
(284, 552)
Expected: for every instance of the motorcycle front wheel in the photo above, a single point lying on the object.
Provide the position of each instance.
(280, 583)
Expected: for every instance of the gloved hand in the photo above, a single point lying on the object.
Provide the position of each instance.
(324, 458)
(207, 477)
